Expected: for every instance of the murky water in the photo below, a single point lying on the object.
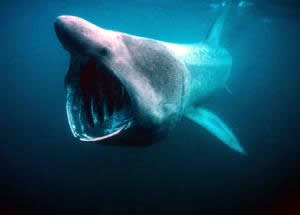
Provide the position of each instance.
(43, 168)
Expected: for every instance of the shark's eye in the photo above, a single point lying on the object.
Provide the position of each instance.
(103, 52)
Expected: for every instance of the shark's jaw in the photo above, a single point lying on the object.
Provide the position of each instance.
(97, 104)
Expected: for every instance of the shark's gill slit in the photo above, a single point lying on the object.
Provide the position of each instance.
(94, 112)
(69, 106)
(98, 105)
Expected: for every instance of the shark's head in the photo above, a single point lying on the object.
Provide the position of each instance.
(117, 83)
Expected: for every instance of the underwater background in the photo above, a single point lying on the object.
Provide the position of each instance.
(45, 170)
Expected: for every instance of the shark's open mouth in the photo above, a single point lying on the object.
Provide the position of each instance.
(98, 106)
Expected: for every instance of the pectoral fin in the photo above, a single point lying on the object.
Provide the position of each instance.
(217, 127)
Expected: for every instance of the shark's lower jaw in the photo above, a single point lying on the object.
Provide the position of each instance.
(103, 124)
(97, 106)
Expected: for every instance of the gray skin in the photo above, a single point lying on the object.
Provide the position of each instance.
(134, 87)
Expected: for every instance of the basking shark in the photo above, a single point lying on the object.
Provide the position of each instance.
(130, 86)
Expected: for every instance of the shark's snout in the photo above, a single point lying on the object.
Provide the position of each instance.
(64, 28)
(74, 33)
(61, 21)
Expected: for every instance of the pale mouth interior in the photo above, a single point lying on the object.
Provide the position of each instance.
(98, 106)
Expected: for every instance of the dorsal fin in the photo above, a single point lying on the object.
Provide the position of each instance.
(214, 35)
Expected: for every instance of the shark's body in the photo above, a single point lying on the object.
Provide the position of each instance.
(120, 84)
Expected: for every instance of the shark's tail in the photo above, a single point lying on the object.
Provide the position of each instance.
(215, 33)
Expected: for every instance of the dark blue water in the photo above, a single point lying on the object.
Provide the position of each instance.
(44, 169)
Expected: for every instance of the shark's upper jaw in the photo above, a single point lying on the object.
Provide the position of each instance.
(81, 36)
(98, 105)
